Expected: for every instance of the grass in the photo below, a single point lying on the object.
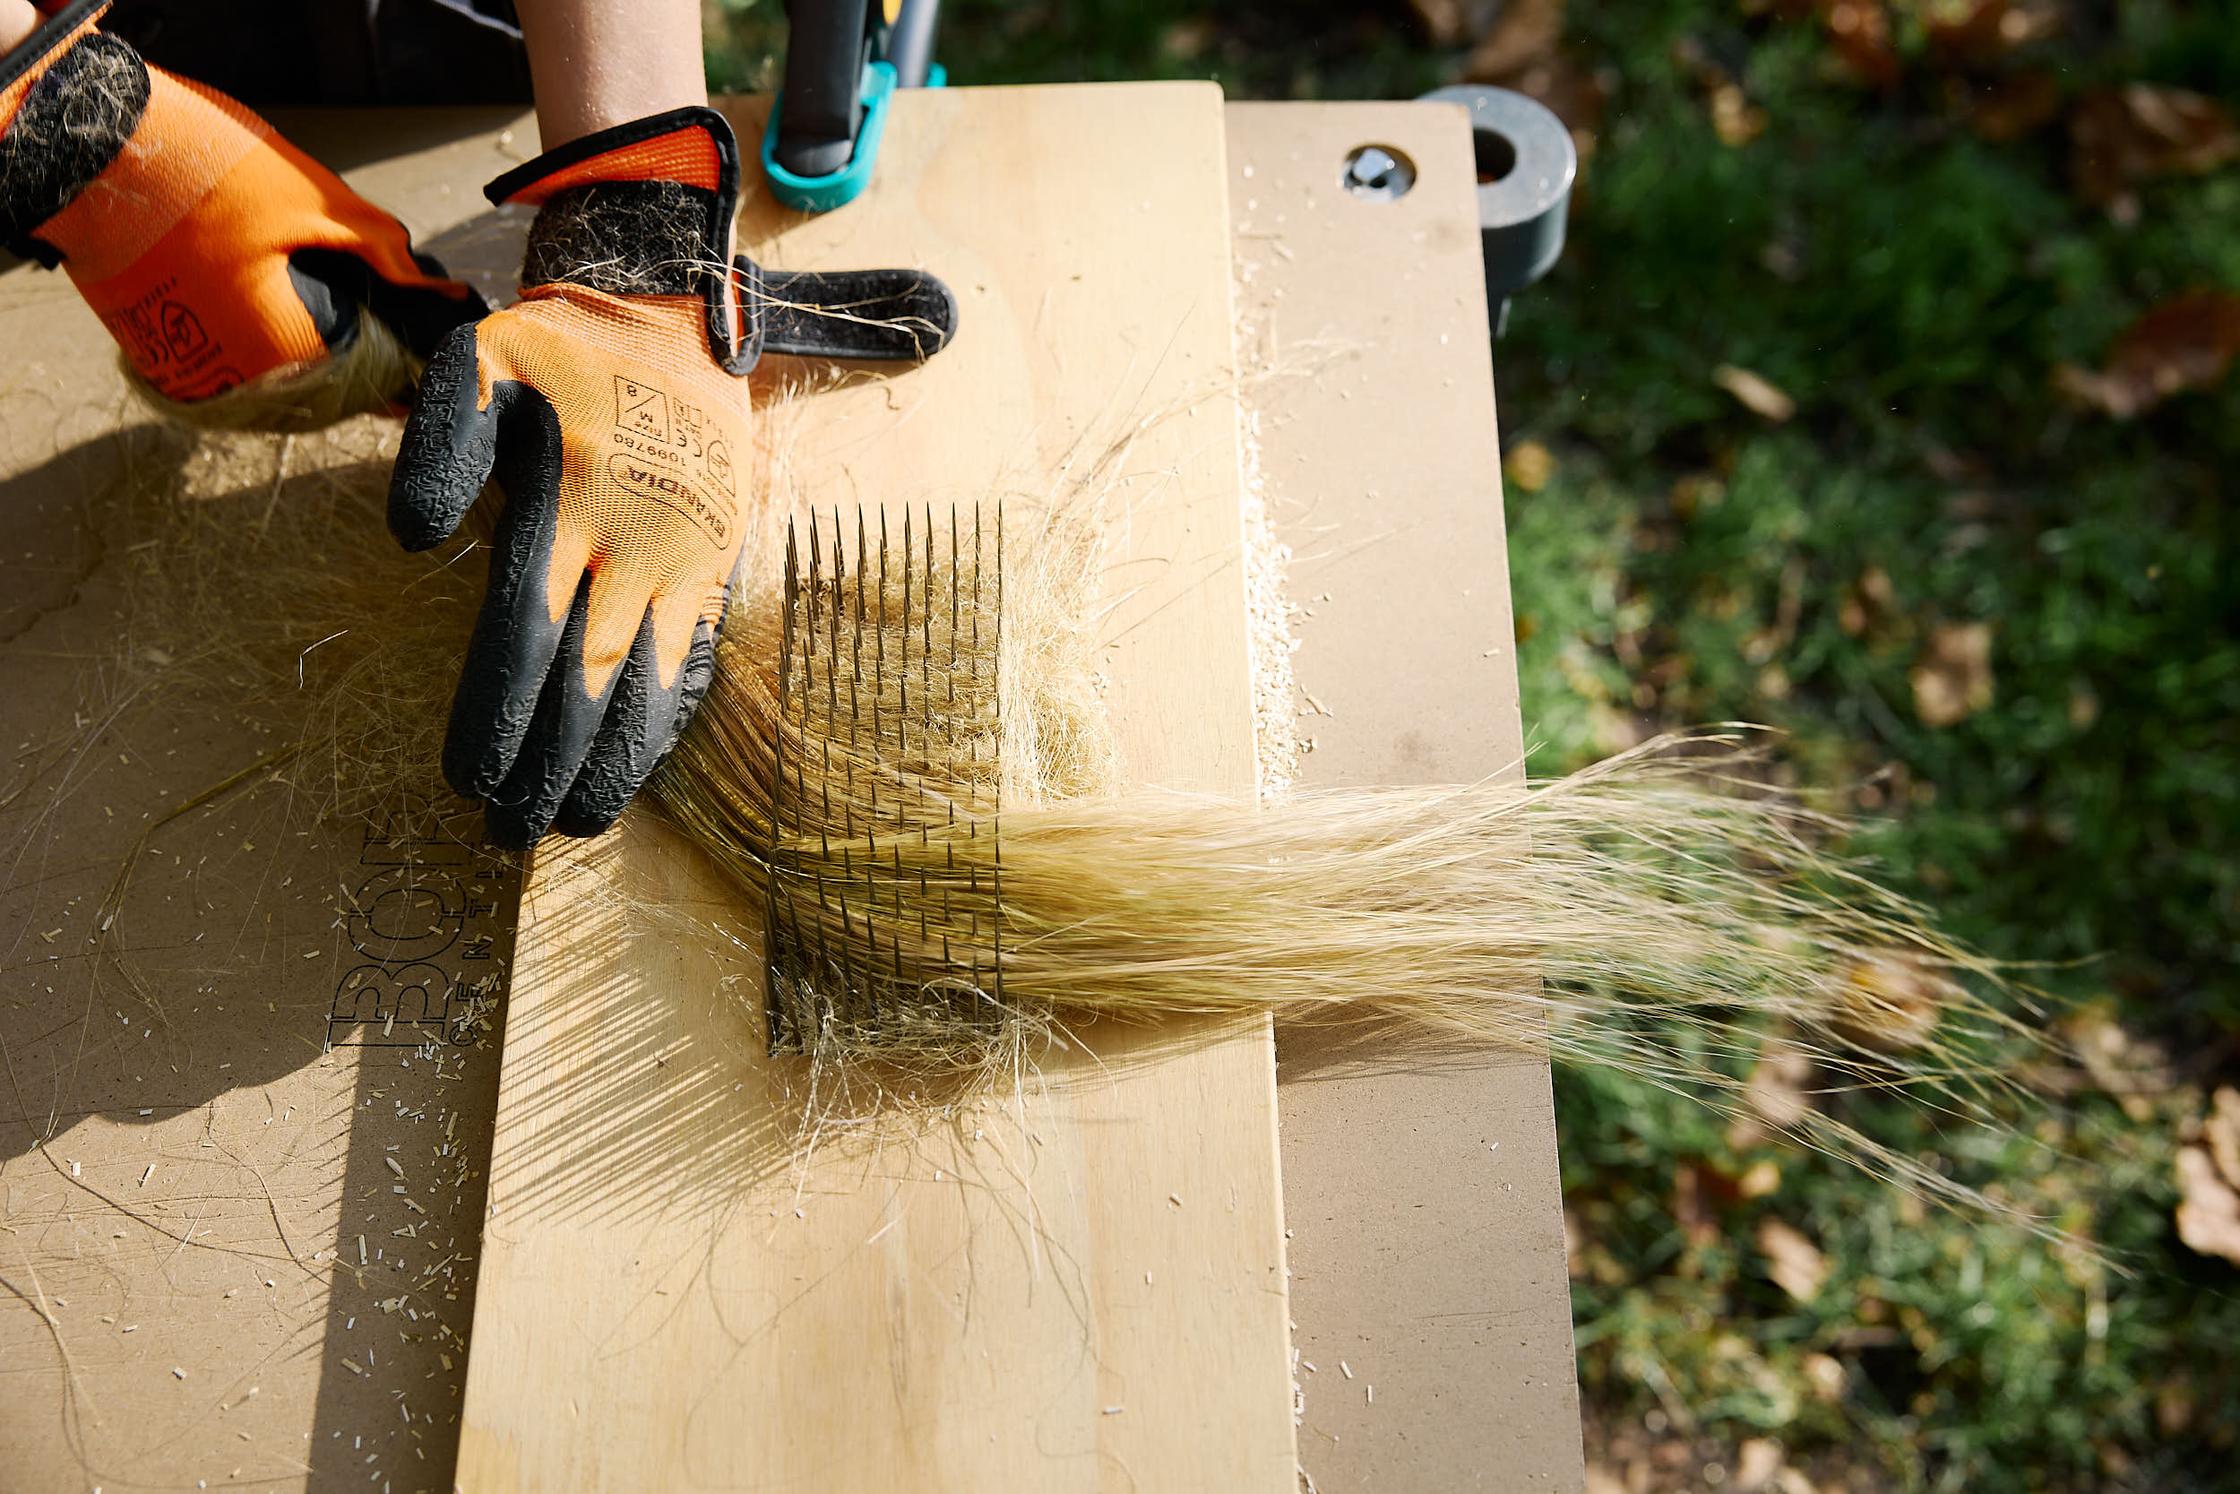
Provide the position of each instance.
(1913, 287)
(1928, 283)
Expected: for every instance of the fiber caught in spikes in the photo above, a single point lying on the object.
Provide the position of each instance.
(929, 908)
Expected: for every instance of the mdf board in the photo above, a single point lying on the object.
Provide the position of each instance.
(1423, 1200)
(222, 1073)
(1074, 1284)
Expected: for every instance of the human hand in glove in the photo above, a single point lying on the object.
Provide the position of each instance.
(216, 253)
(610, 405)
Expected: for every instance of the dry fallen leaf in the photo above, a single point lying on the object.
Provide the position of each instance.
(1690, 1210)
(1793, 1262)
(1890, 1000)
(1696, 491)
(1859, 30)
(1951, 677)
(2208, 1208)
(2185, 343)
(1866, 602)
(1757, 1463)
(1756, 393)
(1982, 31)
(1775, 1095)
(2222, 1131)
(2173, 1407)
(1522, 51)
(2175, 1404)
(2012, 107)
(2120, 137)
(1761, 1179)
(1776, 1086)
(1528, 466)
(1827, 1377)
(1188, 39)
(1525, 33)
(1734, 119)
(2118, 1063)
(1448, 23)
(1963, 27)
(1601, 1480)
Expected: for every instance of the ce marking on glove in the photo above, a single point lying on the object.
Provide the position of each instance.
(161, 329)
(667, 454)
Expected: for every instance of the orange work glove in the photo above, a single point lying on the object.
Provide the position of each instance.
(611, 407)
(215, 252)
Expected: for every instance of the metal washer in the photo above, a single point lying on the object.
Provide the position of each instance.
(1526, 165)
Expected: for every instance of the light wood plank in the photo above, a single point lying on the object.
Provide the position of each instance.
(1082, 1288)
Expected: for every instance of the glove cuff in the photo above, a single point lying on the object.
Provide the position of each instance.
(642, 209)
(646, 209)
(70, 97)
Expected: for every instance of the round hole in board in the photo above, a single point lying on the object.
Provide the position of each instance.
(1496, 153)
(1381, 173)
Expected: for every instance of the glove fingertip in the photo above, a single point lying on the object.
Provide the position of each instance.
(509, 827)
(465, 762)
(583, 817)
(643, 725)
(698, 673)
(615, 769)
(447, 450)
(499, 694)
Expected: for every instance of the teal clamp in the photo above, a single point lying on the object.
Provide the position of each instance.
(821, 194)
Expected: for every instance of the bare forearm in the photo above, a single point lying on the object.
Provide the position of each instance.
(596, 63)
(17, 21)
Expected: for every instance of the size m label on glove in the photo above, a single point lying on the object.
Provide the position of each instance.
(669, 450)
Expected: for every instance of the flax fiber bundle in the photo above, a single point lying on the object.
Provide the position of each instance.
(962, 882)
(948, 911)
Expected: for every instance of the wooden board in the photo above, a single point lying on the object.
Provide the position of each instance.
(1424, 1204)
(1079, 1288)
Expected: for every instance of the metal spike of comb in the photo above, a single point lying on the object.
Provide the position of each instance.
(885, 890)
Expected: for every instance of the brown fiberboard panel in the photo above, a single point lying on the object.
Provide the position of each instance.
(1427, 1246)
(206, 1075)
(1077, 1286)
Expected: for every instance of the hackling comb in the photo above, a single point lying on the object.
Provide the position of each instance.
(885, 889)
